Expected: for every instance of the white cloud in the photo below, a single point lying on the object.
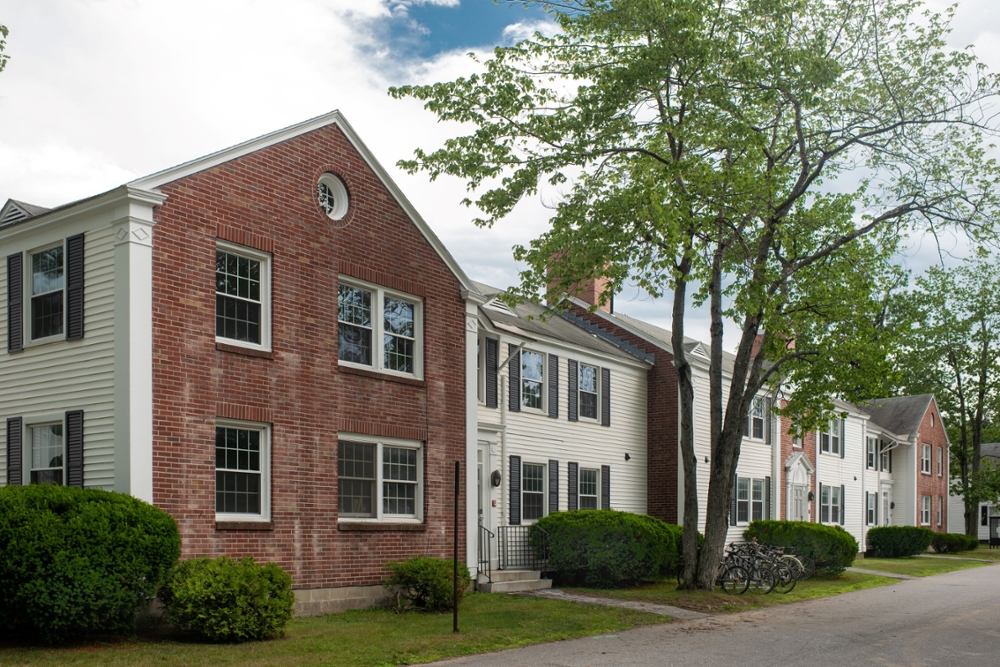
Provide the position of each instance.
(522, 30)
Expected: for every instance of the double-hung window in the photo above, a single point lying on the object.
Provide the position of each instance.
(742, 500)
(830, 505)
(872, 458)
(242, 296)
(925, 459)
(379, 479)
(589, 483)
(47, 293)
(940, 509)
(532, 491)
(925, 510)
(884, 457)
(378, 328)
(830, 440)
(754, 426)
(757, 500)
(47, 454)
(532, 379)
(589, 378)
(242, 471)
(940, 461)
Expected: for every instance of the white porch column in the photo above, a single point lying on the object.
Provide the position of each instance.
(471, 430)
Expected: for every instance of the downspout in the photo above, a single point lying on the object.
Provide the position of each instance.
(504, 398)
(864, 485)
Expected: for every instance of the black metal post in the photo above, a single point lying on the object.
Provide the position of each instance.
(458, 477)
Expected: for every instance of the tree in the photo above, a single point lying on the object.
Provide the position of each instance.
(3, 45)
(700, 141)
(952, 349)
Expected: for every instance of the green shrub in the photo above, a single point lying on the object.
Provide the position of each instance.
(76, 562)
(971, 543)
(899, 541)
(944, 543)
(228, 600)
(607, 548)
(427, 583)
(832, 548)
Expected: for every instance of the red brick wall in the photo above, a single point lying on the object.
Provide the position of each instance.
(267, 199)
(932, 485)
(809, 449)
(661, 428)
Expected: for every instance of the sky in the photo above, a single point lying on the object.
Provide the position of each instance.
(99, 92)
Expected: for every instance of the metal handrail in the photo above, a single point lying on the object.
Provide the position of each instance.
(485, 565)
(518, 549)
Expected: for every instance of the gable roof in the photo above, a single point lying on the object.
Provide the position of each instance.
(15, 211)
(153, 181)
(990, 449)
(901, 415)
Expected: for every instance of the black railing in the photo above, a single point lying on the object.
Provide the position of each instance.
(521, 548)
(485, 566)
(994, 532)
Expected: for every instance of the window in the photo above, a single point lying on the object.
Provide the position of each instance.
(940, 507)
(884, 456)
(925, 460)
(830, 506)
(830, 438)
(242, 476)
(47, 454)
(925, 510)
(588, 391)
(797, 442)
(532, 491)
(378, 479)
(332, 196)
(757, 500)
(242, 297)
(984, 515)
(378, 329)
(588, 489)
(757, 418)
(742, 500)
(872, 462)
(940, 461)
(47, 300)
(870, 509)
(932, 420)
(532, 379)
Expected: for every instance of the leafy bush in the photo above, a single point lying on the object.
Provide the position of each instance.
(76, 562)
(427, 583)
(832, 548)
(607, 548)
(953, 542)
(899, 541)
(228, 600)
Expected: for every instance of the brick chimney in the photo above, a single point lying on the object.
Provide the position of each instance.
(590, 291)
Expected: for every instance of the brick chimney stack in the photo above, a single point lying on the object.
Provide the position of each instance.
(588, 290)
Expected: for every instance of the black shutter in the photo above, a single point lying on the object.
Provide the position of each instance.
(605, 487)
(74, 288)
(767, 420)
(573, 408)
(890, 460)
(553, 486)
(492, 352)
(14, 451)
(767, 499)
(732, 504)
(514, 390)
(819, 502)
(573, 492)
(74, 448)
(515, 490)
(877, 503)
(843, 440)
(843, 505)
(605, 397)
(553, 386)
(15, 303)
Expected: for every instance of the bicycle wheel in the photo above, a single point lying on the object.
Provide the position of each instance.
(786, 579)
(808, 566)
(796, 566)
(762, 581)
(735, 580)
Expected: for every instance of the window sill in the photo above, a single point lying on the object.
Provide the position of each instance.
(244, 525)
(377, 375)
(245, 351)
(380, 527)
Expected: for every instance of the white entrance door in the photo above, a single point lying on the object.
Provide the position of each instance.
(799, 502)
(484, 500)
(886, 507)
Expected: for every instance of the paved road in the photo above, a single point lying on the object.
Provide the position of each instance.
(952, 620)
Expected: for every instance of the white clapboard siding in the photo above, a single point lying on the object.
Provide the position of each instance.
(834, 471)
(76, 375)
(537, 438)
(905, 467)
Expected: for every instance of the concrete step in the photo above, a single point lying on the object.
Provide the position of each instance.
(511, 575)
(516, 586)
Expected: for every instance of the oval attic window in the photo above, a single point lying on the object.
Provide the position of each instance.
(332, 196)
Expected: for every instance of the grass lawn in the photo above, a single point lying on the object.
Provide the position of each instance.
(370, 638)
(665, 592)
(916, 567)
(982, 553)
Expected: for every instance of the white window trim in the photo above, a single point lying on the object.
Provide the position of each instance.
(940, 461)
(265, 471)
(750, 501)
(27, 280)
(378, 328)
(839, 505)
(925, 457)
(265, 295)
(545, 490)
(380, 443)
(833, 423)
(579, 480)
(27, 423)
(579, 391)
(940, 508)
(925, 501)
(871, 453)
(544, 410)
(481, 370)
(798, 442)
(871, 503)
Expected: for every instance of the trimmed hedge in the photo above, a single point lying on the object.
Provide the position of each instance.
(78, 562)
(899, 541)
(953, 542)
(427, 583)
(832, 548)
(227, 600)
(608, 548)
